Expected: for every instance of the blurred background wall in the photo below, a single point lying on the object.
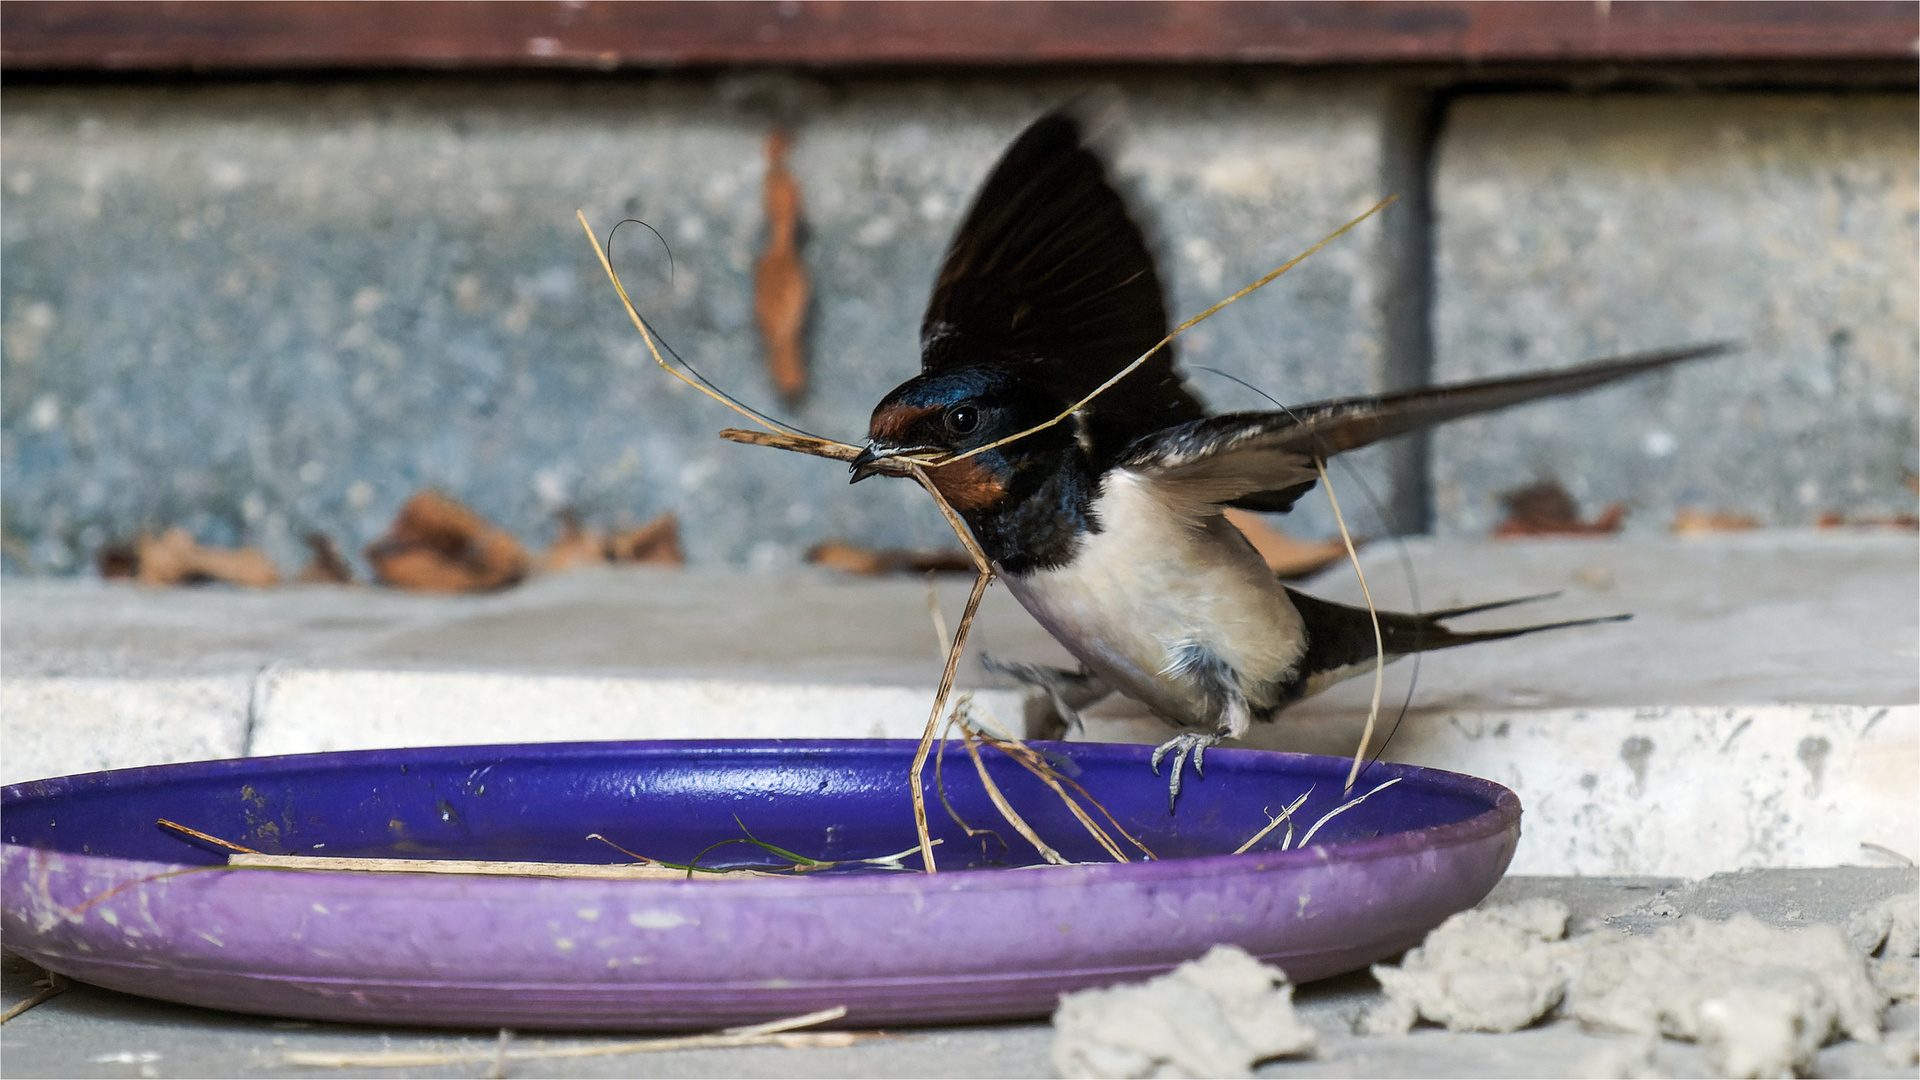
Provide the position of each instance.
(269, 269)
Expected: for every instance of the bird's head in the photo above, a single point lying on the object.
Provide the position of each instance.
(954, 410)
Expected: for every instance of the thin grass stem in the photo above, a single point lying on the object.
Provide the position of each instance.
(1379, 642)
(1000, 803)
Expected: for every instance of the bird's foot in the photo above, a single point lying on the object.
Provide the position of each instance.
(1068, 691)
(1181, 745)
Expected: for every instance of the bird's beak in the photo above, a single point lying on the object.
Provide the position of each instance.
(863, 465)
(867, 463)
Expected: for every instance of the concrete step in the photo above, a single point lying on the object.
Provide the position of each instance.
(1759, 710)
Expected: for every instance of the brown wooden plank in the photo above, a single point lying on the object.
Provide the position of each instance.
(136, 35)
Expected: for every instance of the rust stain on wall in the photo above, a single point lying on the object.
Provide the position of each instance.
(780, 278)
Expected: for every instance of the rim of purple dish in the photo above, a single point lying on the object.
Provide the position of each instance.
(1500, 816)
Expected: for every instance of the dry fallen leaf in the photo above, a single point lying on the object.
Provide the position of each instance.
(577, 545)
(780, 278)
(1287, 556)
(438, 545)
(327, 567)
(858, 559)
(1695, 522)
(174, 558)
(1833, 519)
(1545, 509)
(658, 542)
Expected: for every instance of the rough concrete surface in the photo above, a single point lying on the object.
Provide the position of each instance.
(90, 1032)
(258, 310)
(1574, 226)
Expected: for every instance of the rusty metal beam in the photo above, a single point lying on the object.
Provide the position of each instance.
(188, 35)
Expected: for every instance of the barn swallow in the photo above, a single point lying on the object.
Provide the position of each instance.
(1108, 526)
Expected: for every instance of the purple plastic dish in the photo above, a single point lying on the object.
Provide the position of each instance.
(964, 944)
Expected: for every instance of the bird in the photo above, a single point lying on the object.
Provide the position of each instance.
(1109, 526)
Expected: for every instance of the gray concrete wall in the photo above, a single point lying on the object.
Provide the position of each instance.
(256, 311)
(259, 310)
(1571, 226)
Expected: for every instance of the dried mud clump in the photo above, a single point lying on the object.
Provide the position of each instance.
(1758, 1000)
(1480, 970)
(1216, 1016)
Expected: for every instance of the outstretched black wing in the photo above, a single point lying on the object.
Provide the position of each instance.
(1265, 460)
(1049, 274)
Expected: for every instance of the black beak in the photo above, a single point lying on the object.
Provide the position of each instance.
(868, 462)
(865, 465)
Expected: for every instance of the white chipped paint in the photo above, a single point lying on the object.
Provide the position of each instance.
(657, 920)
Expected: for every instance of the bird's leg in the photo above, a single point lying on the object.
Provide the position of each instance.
(1070, 691)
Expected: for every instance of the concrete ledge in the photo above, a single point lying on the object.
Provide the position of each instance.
(55, 726)
(1680, 791)
(1759, 711)
(310, 711)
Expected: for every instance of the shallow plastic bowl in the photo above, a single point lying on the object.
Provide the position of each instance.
(977, 941)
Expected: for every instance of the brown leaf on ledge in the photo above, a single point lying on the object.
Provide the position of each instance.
(174, 558)
(1545, 509)
(577, 545)
(438, 545)
(326, 567)
(872, 562)
(1287, 556)
(658, 542)
(1690, 521)
(1834, 519)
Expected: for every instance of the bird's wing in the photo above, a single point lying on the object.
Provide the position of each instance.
(1050, 274)
(1265, 460)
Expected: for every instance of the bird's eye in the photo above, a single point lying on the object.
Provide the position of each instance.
(962, 419)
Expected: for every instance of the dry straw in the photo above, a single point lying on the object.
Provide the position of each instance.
(779, 1033)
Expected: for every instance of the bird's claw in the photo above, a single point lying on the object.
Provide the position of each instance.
(1181, 746)
(1067, 691)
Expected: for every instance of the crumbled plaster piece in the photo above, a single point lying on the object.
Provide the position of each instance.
(1759, 1001)
(1215, 1016)
(1626, 1058)
(1887, 934)
(1903, 1049)
(1492, 969)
